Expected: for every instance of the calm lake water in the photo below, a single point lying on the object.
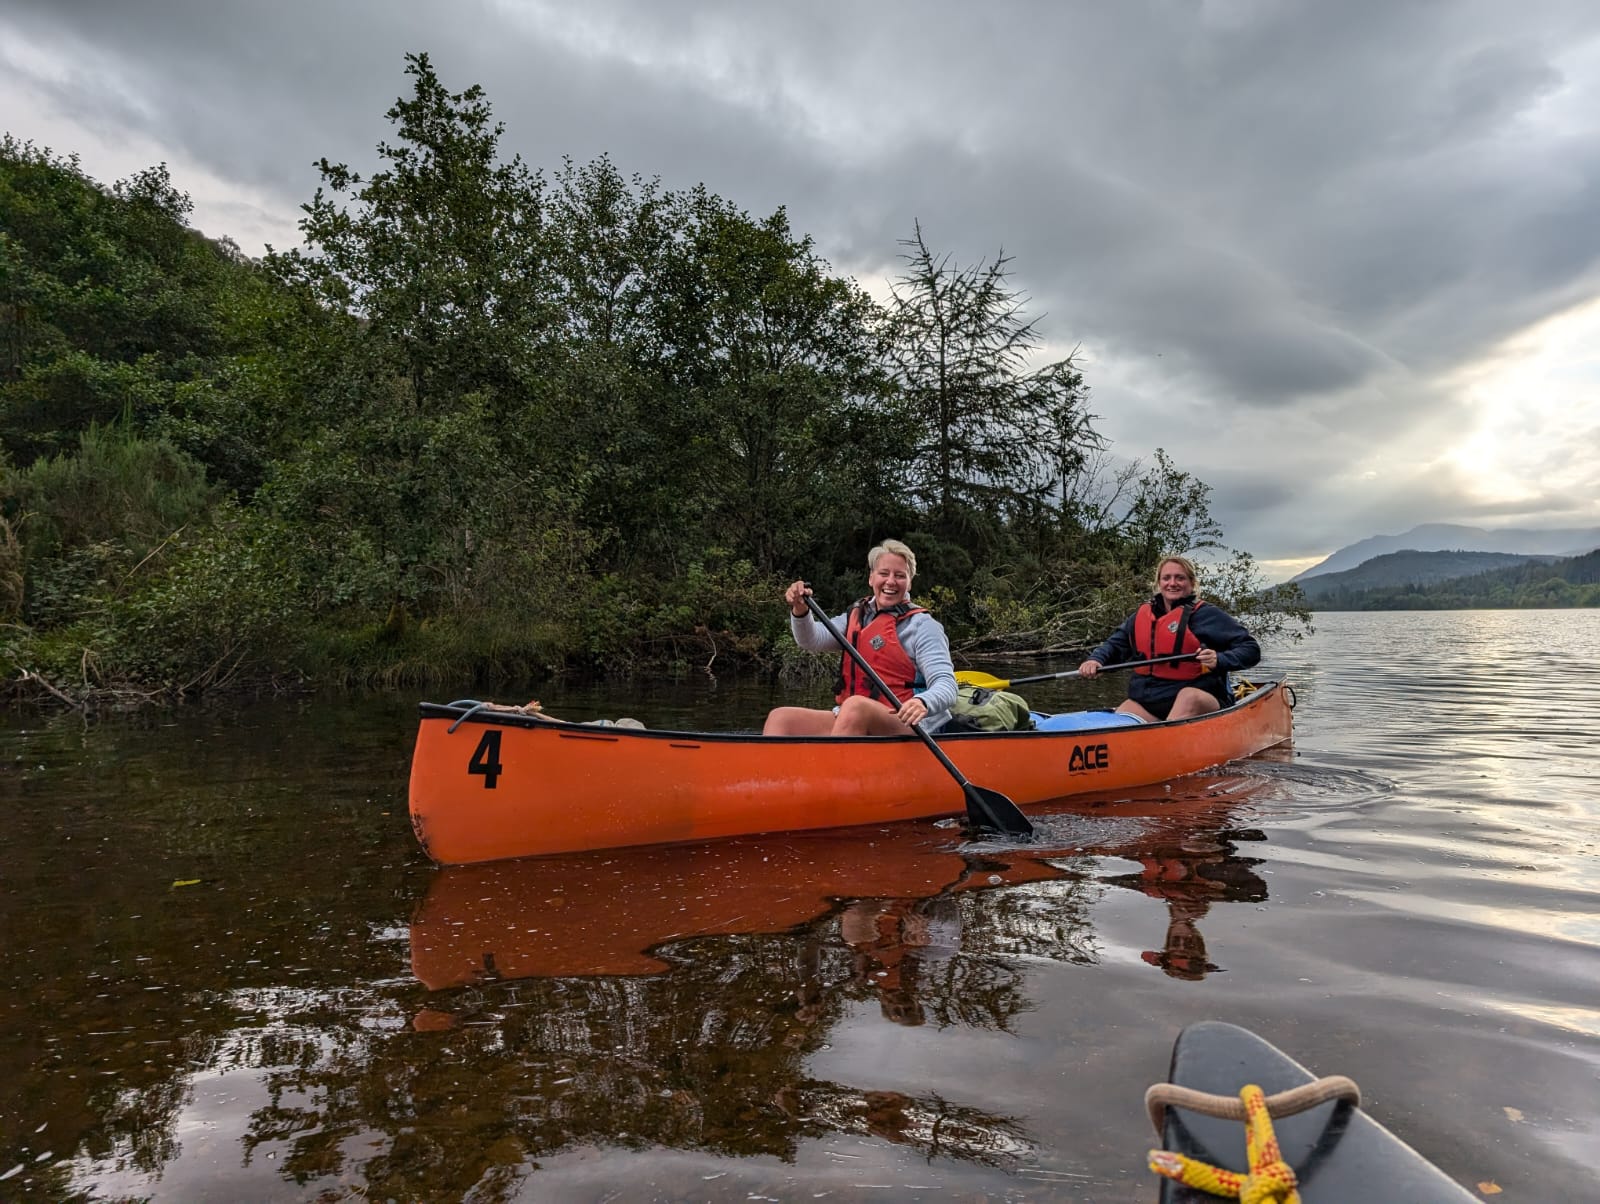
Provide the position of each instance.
(230, 974)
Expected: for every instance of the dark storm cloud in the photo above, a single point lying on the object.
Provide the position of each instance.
(259, 95)
(1292, 175)
(1289, 217)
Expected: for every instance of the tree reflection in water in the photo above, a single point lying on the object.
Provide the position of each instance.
(637, 999)
(653, 1030)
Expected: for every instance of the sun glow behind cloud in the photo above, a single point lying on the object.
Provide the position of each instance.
(1535, 400)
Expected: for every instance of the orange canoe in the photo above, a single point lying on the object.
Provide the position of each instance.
(493, 784)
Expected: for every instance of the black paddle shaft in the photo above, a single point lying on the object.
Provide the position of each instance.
(1160, 660)
(985, 808)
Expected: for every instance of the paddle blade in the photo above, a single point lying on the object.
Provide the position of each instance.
(971, 677)
(993, 811)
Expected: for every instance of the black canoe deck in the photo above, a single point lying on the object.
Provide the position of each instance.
(1339, 1153)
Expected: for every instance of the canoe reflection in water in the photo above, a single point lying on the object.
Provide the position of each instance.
(681, 993)
(894, 891)
(893, 939)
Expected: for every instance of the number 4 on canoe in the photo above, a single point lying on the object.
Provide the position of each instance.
(971, 677)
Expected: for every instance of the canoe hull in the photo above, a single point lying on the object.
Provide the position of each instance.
(501, 784)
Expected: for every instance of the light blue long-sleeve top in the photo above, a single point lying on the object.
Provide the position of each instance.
(923, 638)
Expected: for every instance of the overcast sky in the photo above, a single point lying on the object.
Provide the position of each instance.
(1340, 259)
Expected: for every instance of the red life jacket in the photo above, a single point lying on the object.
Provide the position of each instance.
(879, 645)
(1167, 635)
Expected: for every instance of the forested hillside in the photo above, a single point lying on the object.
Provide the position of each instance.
(1441, 537)
(1536, 583)
(488, 422)
(1398, 569)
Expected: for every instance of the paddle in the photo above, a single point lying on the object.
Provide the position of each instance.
(985, 808)
(971, 677)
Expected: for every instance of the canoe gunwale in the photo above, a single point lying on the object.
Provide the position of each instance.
(472, 711)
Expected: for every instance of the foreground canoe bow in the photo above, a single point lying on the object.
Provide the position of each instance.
(1337, 1152)
(492, 784)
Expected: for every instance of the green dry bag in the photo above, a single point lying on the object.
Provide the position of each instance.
(979, 710)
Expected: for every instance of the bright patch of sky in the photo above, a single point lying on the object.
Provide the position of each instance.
(1532, 402)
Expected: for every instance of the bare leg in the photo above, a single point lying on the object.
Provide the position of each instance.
(1130, 707)
(1191, 702)
(798, 721)
(862, 716)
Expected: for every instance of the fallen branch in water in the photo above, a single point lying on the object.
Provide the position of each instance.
(28, 675)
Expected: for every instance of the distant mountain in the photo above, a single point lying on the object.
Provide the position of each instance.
(1451, 537)
(1411, 568)
(1530, 582)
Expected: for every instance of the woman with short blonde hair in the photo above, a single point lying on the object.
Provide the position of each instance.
(896, 548)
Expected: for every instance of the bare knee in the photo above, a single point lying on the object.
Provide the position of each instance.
(797, 721)
(862, 716)
(1191, 702)
(778, 722)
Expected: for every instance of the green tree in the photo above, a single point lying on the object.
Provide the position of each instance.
(1169, 512)
(439, 253)
(608, 239)
(433, 441)
(716, 378)
(1269, 611)
(787, 388)
(109, 302)
(607, 242)
(992, 435)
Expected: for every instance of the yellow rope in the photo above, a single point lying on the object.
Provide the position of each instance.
(1269, 1181)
